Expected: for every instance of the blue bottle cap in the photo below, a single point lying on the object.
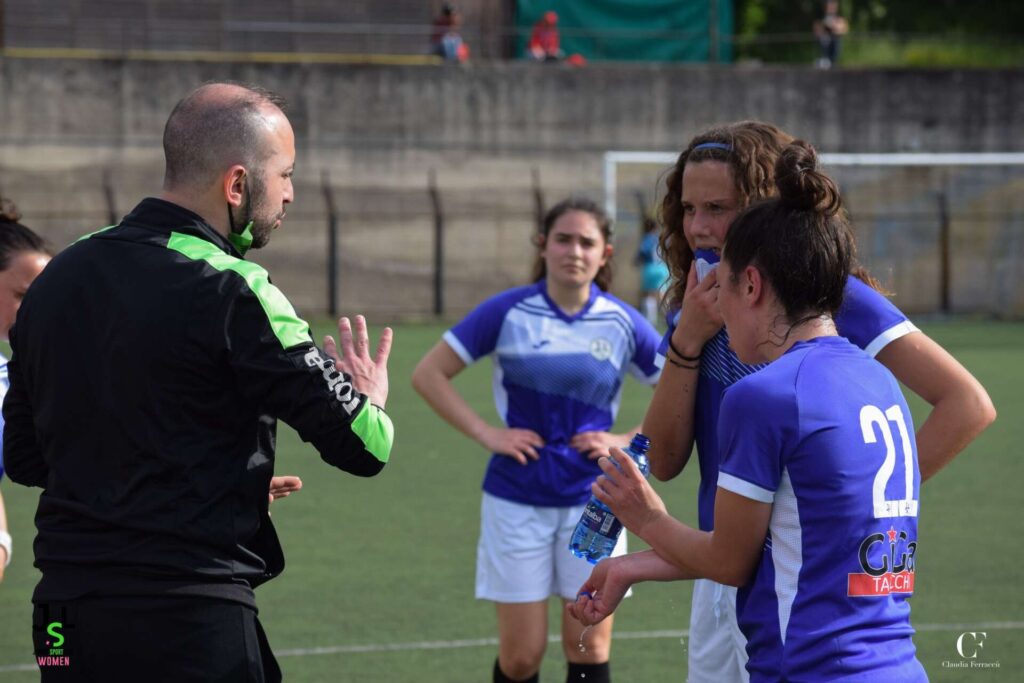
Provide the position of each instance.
(640, 443)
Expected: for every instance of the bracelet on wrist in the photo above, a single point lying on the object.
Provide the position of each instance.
(685, 366)
(682, 355)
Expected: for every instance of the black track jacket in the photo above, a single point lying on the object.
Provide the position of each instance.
(150, 365)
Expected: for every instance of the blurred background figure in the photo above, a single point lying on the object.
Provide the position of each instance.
(446, 40)
(829, 30)
(653, 271)
(545, 43)
(23, 255)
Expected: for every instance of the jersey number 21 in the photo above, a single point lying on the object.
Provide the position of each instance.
(871, 417)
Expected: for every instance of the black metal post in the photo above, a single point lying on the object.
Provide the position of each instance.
(332, 246)
(945, 274)
(435, 200)
(113, 218)
(538, 200)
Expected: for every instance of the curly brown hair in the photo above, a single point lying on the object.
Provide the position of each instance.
(750, 148)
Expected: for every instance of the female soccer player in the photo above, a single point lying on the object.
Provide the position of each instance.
(817, 505)
(721, 172)
(23, 255)
(561, 348)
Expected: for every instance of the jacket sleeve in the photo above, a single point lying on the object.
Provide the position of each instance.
(280, 370)
(23, 459)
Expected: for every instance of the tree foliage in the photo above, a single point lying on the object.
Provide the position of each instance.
(886, 30)
(940, 17)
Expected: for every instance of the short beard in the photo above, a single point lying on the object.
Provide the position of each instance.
(252, 209)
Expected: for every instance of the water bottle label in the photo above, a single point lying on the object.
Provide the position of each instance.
(600, 522)
(594, 517)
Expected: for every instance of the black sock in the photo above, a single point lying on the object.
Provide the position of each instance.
(589, 673)
(500, 677)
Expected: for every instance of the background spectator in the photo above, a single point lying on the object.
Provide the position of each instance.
(544, 45)
(446, 41)
(829, 29)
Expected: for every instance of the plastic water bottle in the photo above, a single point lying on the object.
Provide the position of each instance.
(598, 530)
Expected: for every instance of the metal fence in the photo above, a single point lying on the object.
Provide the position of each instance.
(322, 29)
(942, 238)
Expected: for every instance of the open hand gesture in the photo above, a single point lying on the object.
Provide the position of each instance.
(369, 375)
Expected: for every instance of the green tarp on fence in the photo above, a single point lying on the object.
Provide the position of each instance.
(636, 30)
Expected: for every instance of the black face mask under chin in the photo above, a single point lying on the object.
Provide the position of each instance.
(241, 237)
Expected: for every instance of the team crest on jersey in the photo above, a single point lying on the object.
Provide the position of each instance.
(601, 348)
(886, 570)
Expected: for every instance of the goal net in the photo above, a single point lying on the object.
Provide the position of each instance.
(943, 232)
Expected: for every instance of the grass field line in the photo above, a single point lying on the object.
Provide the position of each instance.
(556, 638)
(553, 638)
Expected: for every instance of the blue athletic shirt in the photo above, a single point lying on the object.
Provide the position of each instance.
(867, 319)
(824, 435)
(557, 375)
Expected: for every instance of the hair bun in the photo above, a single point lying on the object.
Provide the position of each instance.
(8, 211)
(801, 185)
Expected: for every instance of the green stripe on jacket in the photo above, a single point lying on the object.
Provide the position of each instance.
(288, 327)
(374, 427)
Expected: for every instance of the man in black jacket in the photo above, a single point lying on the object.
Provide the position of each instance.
(150, 365)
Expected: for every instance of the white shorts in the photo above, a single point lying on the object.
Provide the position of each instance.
(523, 554)
(717, 650)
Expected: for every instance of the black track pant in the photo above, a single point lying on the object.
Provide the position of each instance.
(179, 639)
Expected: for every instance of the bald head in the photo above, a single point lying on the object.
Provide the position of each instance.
(215, 127)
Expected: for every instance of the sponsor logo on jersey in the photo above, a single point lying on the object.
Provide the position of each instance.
(337, 381)
(884, 570)
(601, 348)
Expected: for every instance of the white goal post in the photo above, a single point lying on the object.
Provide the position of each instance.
(613, 159)
(944, 231)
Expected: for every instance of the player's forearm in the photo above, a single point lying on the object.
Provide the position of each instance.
(954, 422)
(439, 393)
(683, 547)
(695, 554)
(647, 565)
(669, 421)
(961, 408)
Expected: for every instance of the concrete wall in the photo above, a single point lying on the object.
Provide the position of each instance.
(486, 130)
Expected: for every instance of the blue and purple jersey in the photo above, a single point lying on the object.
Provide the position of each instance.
(824, 435)
(867, 319)
(557, 375)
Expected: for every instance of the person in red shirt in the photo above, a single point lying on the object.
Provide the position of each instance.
(544, 45)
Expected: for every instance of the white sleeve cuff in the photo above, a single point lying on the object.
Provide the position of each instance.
(744, 488)
(457, 347)
(889, 336)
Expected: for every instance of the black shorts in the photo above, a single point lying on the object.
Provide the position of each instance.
(179, 639)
